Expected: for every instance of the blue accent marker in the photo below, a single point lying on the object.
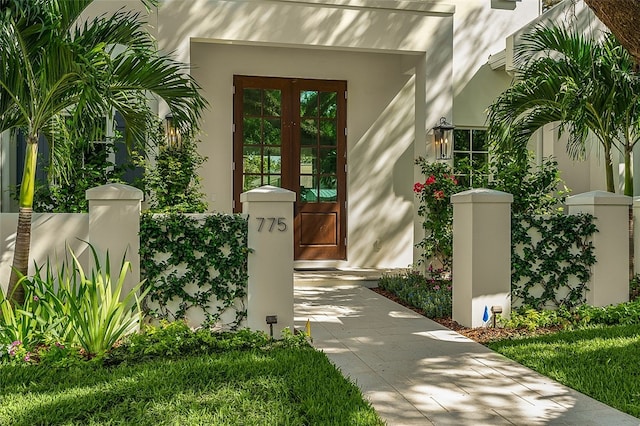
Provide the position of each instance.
(485, 316)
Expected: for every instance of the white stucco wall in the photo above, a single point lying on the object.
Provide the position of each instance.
(51, 234)
(406, 63)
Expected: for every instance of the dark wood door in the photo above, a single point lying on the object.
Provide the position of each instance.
(291, 133)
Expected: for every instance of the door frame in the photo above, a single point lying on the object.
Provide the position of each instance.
(290, 162)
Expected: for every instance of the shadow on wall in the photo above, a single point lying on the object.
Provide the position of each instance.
(381, 153)
(50, 235)
(320, 25)
(381, 185)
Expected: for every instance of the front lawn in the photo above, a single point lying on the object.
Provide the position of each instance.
(602, 362)
(277, 385)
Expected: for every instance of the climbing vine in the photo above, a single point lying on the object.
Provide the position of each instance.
(551, 259)
(552, 253)
(195, 261)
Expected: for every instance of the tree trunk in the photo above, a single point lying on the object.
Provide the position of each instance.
(608, 166)
(628, 174)
(23, 233)
(621, 17)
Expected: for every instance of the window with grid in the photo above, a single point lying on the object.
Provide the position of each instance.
(470, 156)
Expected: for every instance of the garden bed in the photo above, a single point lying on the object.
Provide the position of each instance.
(481, 334)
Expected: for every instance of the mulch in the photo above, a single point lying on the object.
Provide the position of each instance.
(482, 334)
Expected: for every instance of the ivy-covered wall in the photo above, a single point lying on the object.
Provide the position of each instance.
(551, 259)
(195, 266)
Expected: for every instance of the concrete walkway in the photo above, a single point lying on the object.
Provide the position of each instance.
(416, 372)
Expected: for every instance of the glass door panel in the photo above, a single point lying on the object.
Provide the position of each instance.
(318, 141)
(261, 138)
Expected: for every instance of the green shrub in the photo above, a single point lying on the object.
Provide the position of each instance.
(634, 287)
(176, 340)
(64, 306)
(431, 295)
(627, 313)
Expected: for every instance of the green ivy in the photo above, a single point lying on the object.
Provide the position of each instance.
(554, 269)
(211, 250)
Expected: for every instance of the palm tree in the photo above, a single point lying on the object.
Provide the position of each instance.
(55, 70)
(585, 85)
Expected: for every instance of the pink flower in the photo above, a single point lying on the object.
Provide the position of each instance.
(27, 357)
(448, 287)
(430, 180)
(437, 287)
(438, 195)
(453, 179)
(418, 187)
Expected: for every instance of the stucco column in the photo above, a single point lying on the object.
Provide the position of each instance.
(114, 226)
(636, 234)
(610, 275)
(270, 288)
(481, 255)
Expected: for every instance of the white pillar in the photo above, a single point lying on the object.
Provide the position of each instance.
(610, 275)
(114, 226)
(481, 255)
(270, 289)
(636, 234)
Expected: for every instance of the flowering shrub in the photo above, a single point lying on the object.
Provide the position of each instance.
(437, 211)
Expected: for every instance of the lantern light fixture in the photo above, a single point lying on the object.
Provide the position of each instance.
(443, 138)
(171, 131)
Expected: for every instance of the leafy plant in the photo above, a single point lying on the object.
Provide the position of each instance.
(171, 178)
(99, 313)
(432, 296)
(634, 287)
(209, 252)
(108, 63)
(66, 307)
(435, 207)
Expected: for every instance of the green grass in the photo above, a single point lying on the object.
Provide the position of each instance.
(282, 385)
(602, 362)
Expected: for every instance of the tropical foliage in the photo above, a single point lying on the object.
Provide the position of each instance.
(65, 306)
(56, 71)
(586, 85)
(171, 179)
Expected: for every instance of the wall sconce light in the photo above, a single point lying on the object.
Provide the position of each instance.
(171, 131)
(443, 135)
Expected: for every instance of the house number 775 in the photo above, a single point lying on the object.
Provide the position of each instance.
(273, 223)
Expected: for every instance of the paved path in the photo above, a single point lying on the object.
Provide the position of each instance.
(416, 372)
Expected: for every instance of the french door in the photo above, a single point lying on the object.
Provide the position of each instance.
(291, 133)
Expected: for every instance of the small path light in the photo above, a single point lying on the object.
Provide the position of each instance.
(495, 310)
(272, 319)
(443, 135)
